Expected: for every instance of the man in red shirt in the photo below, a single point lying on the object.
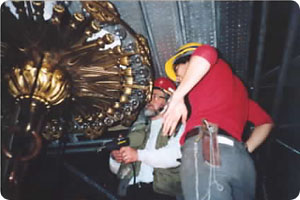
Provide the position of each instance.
(217, 95)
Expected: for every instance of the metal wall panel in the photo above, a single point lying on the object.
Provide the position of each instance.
(200, 21)
(131, 13)
(169, 24)
(163, 23)
(233, 34)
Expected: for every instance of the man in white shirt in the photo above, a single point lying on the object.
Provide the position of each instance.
(150, 165)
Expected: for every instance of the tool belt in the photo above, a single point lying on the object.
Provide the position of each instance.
(207, 134)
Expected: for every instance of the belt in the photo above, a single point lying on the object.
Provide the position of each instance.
(223, 136)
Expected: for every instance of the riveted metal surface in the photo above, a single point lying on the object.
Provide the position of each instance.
(199, 18)
(164, 23)
(131, 13)
(233, 33)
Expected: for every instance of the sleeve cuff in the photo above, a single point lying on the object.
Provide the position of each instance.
(141, 154)
(113, 165)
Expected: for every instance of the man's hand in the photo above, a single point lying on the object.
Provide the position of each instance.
(116, 154)
(258, 136)
(176, 110)
(129, 154)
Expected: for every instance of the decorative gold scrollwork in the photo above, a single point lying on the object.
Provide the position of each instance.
(46, 85)
(102, 10)
(88, 63)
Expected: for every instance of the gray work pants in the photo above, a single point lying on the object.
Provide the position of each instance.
(233, 180)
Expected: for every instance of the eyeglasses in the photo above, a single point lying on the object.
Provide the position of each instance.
(156, 96)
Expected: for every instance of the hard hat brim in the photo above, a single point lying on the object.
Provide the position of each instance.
(169, 64)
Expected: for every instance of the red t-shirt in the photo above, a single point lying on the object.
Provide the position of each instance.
(221, 98)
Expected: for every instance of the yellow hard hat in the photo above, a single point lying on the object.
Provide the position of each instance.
(184, 50)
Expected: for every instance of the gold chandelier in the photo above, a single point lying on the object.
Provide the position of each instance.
(88, 63)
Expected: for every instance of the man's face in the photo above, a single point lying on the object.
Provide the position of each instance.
(180, 71)
(156, 104)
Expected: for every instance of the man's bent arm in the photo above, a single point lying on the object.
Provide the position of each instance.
(177, 110)
(258, 136)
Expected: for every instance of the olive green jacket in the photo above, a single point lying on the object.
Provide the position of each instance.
(165, 181)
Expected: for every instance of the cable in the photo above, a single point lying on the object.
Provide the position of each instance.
(288, 147)
(134, 173)
(196, 169)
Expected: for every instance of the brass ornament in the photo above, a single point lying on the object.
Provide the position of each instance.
(88, 63)
(48, 86)
(102, 10)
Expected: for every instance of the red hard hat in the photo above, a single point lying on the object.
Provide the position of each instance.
(165, 84)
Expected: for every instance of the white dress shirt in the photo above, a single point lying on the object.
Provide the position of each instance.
(150, 157)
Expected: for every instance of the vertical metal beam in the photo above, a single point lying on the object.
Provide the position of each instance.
(182, 23)
(151, 38)
(260, 49)
(292, 29)
(218, 22)
(213, 7)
